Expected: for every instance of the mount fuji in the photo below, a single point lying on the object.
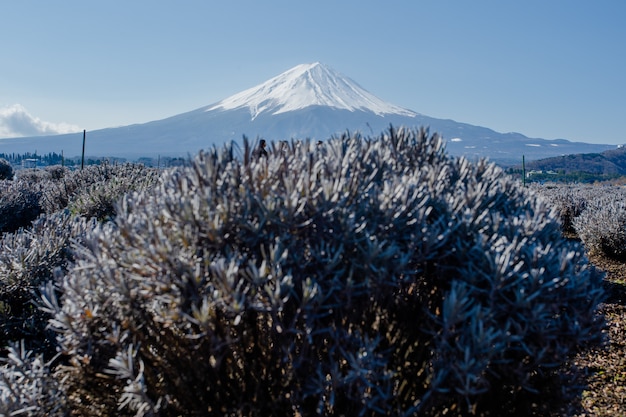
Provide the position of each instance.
(308, 101)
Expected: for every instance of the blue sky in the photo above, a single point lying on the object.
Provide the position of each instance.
(544, 68)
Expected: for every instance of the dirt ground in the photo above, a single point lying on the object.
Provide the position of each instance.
(598, 375)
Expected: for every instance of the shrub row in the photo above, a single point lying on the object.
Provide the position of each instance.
(91, 192)
(596, 214)
(43, 213)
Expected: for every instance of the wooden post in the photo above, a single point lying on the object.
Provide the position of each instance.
(523, 171)
(82, 161)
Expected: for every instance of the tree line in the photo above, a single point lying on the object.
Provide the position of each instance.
(51, 158)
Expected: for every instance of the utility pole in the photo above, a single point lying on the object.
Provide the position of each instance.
(523, 171)
(82, 161)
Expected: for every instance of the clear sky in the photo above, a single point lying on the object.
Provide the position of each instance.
(544, 68)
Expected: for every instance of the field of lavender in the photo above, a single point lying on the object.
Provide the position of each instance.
(359, 276)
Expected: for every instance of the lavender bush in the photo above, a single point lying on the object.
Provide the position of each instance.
(43, 213)
(595, 214)
(569, 201)
(6, 170)
(28, 386)
(28, 259)
(355, 277)
(602, 225)
(19, 207)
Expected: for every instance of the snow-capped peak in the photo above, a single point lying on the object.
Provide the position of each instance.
(308, 85)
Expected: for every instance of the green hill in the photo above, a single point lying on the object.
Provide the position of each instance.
(607, 163)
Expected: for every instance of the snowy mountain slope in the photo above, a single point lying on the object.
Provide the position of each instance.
(308, 101)
(304, 86)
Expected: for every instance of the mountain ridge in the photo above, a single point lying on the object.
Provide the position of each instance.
(307, 101)
(610, 162)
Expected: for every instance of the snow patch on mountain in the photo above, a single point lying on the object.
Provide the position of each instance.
(308, 85)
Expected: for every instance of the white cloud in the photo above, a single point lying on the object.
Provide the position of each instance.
(16, 121)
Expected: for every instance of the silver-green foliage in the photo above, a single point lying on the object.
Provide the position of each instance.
(92, 191)
(6, 170)
(596, 214)
(568, 201)
(602, 225)
(39, 230)
(19, 206)
(28, 387)
(354, 277)
(28, 259)
(103, 185)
